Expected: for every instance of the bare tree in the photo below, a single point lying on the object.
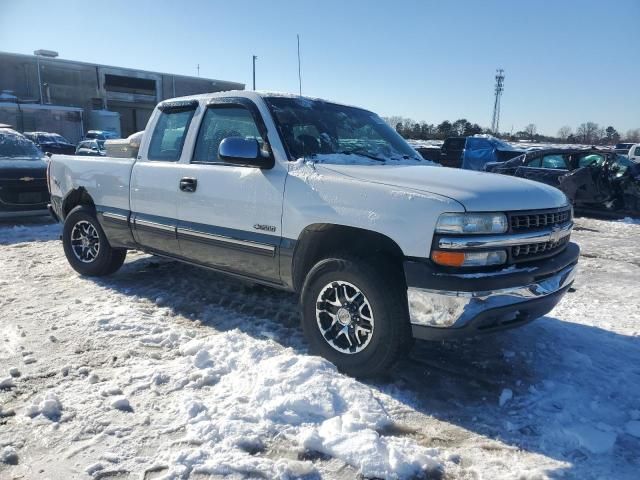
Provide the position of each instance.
(633, 135)
(393, 120)
(588, 132)
(460, 126)
(564, 133)
(531, 130)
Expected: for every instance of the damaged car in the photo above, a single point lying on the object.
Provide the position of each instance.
(596, 181)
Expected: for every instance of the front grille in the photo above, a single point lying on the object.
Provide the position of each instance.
(527, 221)
(533, 251)
(26, 194)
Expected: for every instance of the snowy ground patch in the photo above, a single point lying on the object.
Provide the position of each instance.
(167, 371)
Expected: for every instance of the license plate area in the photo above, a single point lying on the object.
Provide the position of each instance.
(29, 197)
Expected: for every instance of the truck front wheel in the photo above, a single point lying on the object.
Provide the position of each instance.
(86, 246)
(354, 314)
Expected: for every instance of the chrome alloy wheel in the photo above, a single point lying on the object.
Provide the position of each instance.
(344, 317)
(85, 242)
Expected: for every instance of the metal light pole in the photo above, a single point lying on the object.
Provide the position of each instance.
(254, 71)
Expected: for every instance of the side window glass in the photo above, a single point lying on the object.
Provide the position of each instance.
(169, 134)
(637, 152)
(593, 159)
(221, 122)
(534, 163)
(554, 161)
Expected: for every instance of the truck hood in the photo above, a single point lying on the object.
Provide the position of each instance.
(476, 191)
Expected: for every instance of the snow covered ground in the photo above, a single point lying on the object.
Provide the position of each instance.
(167, 371)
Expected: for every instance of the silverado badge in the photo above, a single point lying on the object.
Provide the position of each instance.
(268, 228)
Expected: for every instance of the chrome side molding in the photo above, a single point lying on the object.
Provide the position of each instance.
(220, 238)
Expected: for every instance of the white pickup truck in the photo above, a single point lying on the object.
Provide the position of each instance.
(327, 201)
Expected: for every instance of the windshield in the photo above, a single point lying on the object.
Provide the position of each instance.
(330, 133)
(51, 138)
(58, 138)
(14, 145)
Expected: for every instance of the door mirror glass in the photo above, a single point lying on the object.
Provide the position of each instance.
(243, 151)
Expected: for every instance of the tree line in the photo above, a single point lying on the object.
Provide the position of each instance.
(588, 133)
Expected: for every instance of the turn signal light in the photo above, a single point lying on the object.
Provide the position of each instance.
(448, 259)
(469, 259)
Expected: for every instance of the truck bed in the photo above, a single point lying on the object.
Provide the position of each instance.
(106, 179)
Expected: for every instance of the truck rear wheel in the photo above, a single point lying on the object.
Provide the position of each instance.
(355, 315)
(86, 246)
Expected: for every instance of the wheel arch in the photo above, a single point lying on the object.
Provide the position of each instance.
(77, 196)
(322, 240)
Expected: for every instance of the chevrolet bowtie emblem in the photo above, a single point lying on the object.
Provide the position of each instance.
(27, 179)
(556, 234)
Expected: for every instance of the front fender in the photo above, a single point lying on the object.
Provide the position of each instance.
(317, 195)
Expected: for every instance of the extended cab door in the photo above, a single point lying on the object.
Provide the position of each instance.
(155, 179)
(230, 218)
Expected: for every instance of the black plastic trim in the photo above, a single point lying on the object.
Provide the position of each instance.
(424, 274)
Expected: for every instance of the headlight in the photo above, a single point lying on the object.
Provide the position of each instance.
(472, 223)
(449, 258)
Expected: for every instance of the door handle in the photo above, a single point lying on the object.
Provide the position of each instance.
(188, 184)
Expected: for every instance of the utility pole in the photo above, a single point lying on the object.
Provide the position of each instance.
(499, 88)
(299, 69)
(198, 68)
(254, 72)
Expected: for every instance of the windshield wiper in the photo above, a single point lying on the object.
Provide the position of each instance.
(363, 154)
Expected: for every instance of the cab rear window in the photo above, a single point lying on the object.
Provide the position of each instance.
(169, 135)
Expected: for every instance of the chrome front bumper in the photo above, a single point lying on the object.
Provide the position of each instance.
(436, 310)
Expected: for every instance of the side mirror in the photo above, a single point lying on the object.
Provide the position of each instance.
(48, 154)
(245, 152)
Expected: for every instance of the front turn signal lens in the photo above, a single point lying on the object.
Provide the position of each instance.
(469, 259)
(448, 259)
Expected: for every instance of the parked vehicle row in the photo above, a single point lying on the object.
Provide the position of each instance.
(470, 153)
(330, 202)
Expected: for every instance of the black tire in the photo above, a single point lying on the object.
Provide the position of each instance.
(106, 261)
(385, 294)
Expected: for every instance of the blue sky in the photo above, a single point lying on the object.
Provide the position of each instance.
(566, 62)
